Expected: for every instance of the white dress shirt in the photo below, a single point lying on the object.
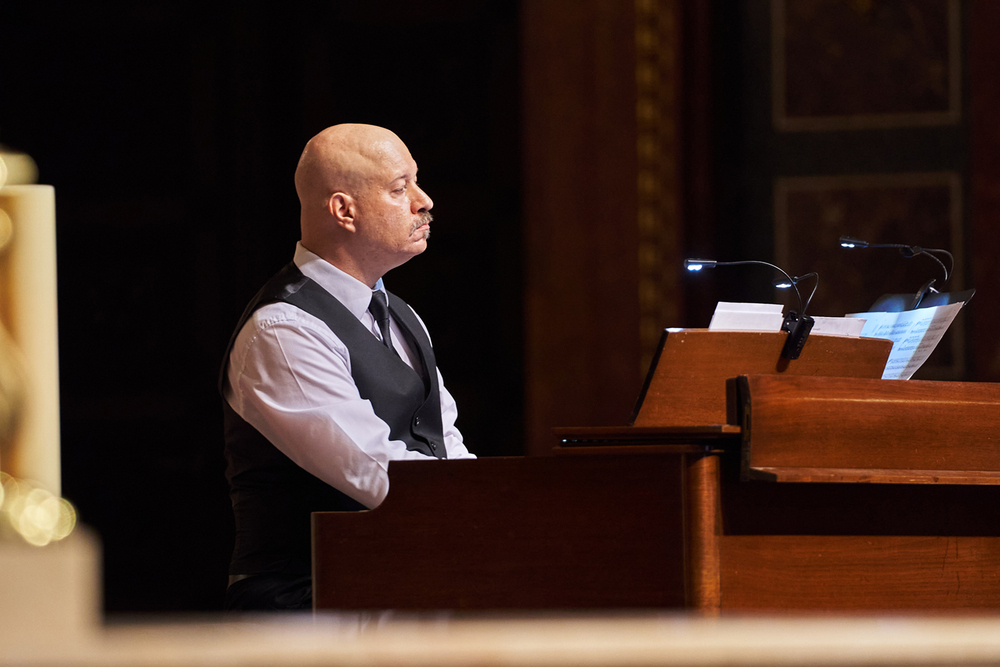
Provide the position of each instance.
(289, 377)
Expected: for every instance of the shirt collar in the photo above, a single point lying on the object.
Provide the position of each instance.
(350, 291)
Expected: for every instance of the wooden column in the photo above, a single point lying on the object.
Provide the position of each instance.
(701, 533)
(581, 269)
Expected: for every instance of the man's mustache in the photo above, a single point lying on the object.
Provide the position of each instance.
(425, 219)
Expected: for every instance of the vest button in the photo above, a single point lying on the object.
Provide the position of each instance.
(434, 447)
(416, 421)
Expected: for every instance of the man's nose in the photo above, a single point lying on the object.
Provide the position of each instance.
(421, 202)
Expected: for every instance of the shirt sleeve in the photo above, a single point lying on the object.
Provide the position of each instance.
(454, 444)
(290, 378)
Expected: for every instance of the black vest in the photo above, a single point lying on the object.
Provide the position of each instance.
(273, 497)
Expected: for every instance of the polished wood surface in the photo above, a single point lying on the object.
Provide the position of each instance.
(856, 430)
(874, 475)
(686, 385)
(841, 573)
(673, 528)
(884, 537)
(670, 515)
(857, 546)
(580, 270)
(703, 513)
(510, 533)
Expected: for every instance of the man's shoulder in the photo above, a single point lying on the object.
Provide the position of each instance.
(288, 319)
(277, 312)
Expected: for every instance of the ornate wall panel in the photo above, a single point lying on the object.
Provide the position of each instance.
(865, 63)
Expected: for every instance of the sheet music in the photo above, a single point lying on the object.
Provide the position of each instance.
(914, 335)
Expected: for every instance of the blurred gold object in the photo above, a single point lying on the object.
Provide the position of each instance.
(26, 508)
(29, 313)
(18, 168)
(11, 371)
(11, 396)
(6, 227)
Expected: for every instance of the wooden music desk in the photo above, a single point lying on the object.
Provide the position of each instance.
(745, 483)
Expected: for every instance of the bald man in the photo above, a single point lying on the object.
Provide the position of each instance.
(328, 376)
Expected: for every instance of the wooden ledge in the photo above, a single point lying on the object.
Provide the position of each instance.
(875, 476)
(583, 435)
(606, 440)
(605, 449)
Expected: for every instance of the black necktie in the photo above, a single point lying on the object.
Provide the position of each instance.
(379, 308)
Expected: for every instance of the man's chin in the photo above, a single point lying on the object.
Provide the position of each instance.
(419, 243)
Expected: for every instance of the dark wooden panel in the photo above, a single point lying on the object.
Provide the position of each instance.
(567, 532)
(858, 546)
(984, 185)
(764, 508)
(687, 384)
(581, 266)
(871, 425)
(874, 475)
(812, 572)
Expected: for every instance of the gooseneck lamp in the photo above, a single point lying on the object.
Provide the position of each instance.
(908, 251)
(905, 251)
(797, 323)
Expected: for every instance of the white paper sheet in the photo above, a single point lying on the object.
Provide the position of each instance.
(730, 316)
(838, 326)
(914, 335)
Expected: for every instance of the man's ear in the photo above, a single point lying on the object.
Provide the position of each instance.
(342, 209)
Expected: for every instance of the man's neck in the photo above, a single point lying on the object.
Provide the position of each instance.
(347, 264)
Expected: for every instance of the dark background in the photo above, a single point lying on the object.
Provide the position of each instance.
(171, 132)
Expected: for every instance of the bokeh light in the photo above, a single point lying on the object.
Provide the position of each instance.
(34, 513)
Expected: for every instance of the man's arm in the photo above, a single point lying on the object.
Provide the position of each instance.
(453, 442)
(290, 378)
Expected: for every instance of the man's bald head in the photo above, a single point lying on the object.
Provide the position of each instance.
(342, 158)
(362, 209)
